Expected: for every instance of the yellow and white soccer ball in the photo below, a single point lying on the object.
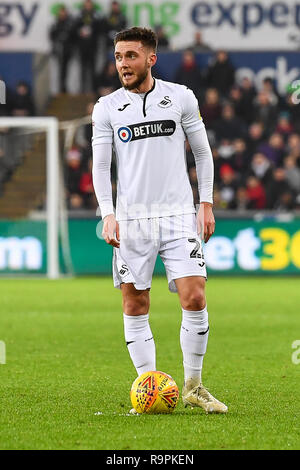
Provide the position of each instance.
(154, 392)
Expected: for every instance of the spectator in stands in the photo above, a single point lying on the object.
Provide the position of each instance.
(240, 159)
(163, 40)
(256, 135)
(75, 202)
(218, 162)
(226, 151)
(261, 168)
(87, 29)
(236, 99)
(273, 149)
(284, 125)
(269, 88)
(108, 78)
(211, 109)
(229, 126)
(198, 45)
(5, 107)
(242, 201)
(114, 22)
(22, 102)
(279, 193)
(265, 110)
(189, 73)
(86, 187)
(73, 170)
(227, 187)
(62, 38)
(255, 193)
(247, 102)
(287, 202)
(293, 147)
(87, 131)
(218, 203)
(220, 73)
(292, 173)
(291, 105)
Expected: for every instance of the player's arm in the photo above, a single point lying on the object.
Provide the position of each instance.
(205, 175)
(102, 151)
(195, 130)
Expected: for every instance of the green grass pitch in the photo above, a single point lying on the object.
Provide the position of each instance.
(66, 381)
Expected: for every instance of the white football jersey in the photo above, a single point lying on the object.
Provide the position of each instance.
(148, 135)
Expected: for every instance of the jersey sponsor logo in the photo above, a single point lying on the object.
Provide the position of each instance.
(147, 129)
(125, 134)
(165, 102)
(124, 107)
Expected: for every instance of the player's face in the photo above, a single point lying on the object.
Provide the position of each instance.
(133, 62)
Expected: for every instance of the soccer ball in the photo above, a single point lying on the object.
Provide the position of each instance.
(154, 392)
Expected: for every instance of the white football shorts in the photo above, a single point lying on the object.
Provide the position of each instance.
(174, 238)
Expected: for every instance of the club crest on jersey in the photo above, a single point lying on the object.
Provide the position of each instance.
(125, 134)
(165, 103)
(144, 130)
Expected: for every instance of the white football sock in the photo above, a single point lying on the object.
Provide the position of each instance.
(193, 341)
(140, 342)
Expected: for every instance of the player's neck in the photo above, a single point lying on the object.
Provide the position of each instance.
(146, 86)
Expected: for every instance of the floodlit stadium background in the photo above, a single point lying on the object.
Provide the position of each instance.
(250, 107)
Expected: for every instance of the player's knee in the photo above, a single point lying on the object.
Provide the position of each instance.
(194, 301)
(136, 306)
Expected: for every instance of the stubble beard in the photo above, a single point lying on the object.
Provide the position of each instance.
(141, 77)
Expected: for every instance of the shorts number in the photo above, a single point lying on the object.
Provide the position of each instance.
(195, 252)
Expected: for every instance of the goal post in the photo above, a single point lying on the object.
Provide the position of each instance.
(50, 126)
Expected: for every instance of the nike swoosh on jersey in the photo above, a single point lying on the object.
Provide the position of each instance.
(124, 107)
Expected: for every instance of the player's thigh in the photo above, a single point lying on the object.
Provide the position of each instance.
(135, 302)
(183, 258)
(191, 292)
(134, 261)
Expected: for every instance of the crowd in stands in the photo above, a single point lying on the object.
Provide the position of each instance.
(19, 103)
(254, 132)
(78, 169)
(85, 34)
(254, 135)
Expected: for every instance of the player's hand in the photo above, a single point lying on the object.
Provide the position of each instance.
(205, 221)
(111, 231)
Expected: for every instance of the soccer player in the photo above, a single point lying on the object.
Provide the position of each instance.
(147, 122)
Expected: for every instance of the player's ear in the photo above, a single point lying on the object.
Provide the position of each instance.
(152, 59)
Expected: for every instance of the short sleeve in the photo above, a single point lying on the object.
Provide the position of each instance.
(102, 129)
(191, 118)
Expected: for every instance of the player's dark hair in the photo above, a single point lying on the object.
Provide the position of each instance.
(146, 36)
